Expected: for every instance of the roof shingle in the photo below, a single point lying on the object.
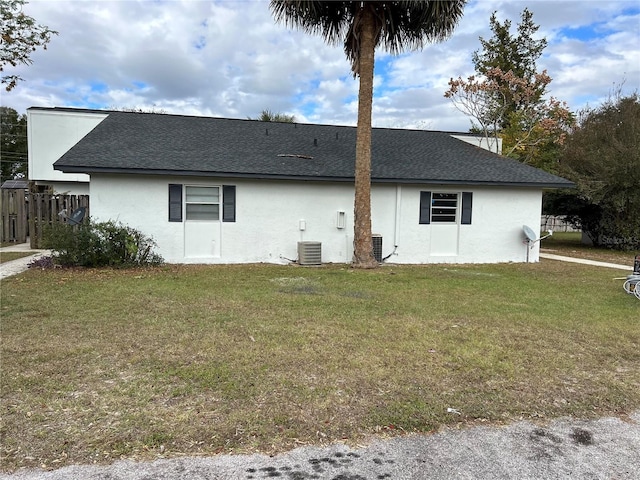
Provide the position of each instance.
(171, 144)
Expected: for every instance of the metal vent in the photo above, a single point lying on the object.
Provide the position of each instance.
(377, 247)
(310, 253)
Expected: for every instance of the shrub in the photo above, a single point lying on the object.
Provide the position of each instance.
(44, 262)
(99, 245)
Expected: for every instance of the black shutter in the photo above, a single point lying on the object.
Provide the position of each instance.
(175, 202)
(467, 203)
(228, 203)
(425, 208)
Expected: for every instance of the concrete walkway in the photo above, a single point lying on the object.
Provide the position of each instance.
(551, 256)
(15, 267)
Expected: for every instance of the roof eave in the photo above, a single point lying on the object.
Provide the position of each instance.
(318, 178)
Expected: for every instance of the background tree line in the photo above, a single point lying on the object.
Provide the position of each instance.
(13, 144)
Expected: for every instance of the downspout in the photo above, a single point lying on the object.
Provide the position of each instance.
(396, 235)
(396, 227)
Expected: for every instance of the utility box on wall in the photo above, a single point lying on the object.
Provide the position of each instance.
(377, 247)
(310, 253)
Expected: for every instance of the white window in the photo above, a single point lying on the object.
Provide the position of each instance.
(439, 207)
(444, 207)
(202, 203)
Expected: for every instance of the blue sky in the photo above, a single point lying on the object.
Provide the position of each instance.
(229, 59)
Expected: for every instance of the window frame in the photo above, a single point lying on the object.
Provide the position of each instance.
(177, 196)
(217, 203)
(463, 207)
(444, 209)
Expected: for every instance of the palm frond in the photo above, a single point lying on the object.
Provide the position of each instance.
(403, 25)
(328, 19)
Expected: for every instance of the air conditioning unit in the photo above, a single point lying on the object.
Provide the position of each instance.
(377, 247)
(310, 253)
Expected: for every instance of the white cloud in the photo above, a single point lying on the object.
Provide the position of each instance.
(229, 58)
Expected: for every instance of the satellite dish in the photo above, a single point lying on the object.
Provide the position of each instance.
(77, 216)
(529, 233)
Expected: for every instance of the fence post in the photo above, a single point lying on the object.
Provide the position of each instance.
(33, 241)
(13, 215)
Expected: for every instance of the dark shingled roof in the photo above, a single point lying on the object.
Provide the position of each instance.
(145, 143)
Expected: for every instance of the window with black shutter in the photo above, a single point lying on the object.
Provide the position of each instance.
(467, 203)
(228, 203)
(175, 202)
(425, 208)
(443, 207)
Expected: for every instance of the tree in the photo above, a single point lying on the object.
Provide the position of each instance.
(361, 27)
(602, 156)
(13, 144)
(505, 97)
(515, 54)
(482, 100)
(21, 35)
(268, 116)
(535, 129)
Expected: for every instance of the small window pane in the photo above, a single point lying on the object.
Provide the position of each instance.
(203, 211)
(445, 203)
(443, 218)
(445, 196)
(203, 195)
(443, 211)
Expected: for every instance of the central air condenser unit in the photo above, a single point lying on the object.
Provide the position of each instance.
(377, 247)
(310, 253)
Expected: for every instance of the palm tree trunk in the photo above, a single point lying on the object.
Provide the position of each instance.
(362, 243)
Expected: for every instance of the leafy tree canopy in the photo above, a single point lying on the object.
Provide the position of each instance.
(602, 156)
(505, 96)
(269, 116)
(13, 144)
(512, 53)
(21, 36)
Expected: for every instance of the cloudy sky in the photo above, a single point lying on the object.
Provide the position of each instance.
(229, 59)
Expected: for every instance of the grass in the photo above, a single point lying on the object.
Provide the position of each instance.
(569, 243)
(105, 364)
(10, 256)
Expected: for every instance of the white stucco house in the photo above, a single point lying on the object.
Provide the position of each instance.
(215, 190)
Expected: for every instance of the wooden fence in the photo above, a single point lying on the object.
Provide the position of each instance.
(13, 215)
(46, 209)
(25, 214)
(557, 224)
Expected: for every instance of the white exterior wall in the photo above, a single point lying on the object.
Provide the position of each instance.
(495, 234)
(50, 135)
(270, 216)
(491, 143)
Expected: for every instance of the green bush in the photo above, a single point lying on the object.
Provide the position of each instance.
(102, 244)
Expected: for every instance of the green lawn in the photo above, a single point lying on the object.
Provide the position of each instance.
(569, 243)
(103, 364)
(9, 256)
